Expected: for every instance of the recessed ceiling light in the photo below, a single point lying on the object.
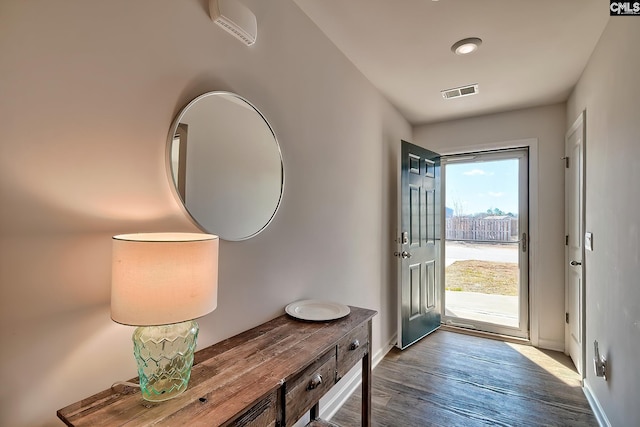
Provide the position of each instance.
(466, 46)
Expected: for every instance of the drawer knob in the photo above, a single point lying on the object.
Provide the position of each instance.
(354, 345)
(315, 382)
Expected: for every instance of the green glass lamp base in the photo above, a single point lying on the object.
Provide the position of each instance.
(164, 355)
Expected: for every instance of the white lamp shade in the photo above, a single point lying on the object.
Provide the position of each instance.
(163, 278)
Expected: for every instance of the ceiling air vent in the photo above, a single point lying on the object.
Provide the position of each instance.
(235, 18)
(459, 91)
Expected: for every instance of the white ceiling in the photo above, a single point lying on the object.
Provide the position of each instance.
(533, 51)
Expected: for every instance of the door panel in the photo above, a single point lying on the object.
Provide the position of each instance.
(419, 311)
(431, 284)
(416, 290)
(431, 216)
(415, 212)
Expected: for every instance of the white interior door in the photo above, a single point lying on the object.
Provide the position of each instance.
(574, 220)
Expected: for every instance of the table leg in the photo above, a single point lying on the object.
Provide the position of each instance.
(314, 414)
(366, 384)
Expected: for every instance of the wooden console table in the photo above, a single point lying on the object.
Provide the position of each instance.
(270, 375)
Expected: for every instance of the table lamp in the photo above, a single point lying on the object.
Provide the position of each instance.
(160, 283)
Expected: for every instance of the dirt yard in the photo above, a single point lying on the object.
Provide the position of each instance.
(485, 277)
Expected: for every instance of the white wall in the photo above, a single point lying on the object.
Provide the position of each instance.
(609, 92)
(88, 92)
(547, 125)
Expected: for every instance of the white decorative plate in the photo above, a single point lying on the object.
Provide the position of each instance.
(317, 310)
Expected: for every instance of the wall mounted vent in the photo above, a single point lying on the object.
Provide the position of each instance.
(235, 18)
(459, 91)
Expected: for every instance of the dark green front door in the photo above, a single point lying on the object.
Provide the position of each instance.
(419, 243)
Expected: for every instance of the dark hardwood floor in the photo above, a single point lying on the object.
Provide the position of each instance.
(451, 379)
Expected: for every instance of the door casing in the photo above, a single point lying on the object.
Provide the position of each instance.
(535, 291)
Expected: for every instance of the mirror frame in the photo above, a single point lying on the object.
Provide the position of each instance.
(169, 164)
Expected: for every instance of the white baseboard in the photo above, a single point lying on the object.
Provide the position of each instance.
(595, 406)
(350, 382)
(551, 345)
(380, 354)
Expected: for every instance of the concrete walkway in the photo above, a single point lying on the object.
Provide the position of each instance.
(496, 309)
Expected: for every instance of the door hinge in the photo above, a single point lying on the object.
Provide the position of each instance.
(566, 162)
(566, 318)
(566, 240)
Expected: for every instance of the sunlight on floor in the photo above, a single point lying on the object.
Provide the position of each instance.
(557, 364)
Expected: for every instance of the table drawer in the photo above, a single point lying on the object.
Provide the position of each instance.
(352, 348)
(262, 414)
(303, 391)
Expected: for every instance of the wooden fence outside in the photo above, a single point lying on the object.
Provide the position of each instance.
(482, 229)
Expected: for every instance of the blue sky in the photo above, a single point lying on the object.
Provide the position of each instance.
(476, 187)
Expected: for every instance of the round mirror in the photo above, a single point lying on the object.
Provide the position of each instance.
(226, 165)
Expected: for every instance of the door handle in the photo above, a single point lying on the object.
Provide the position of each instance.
(524, 242)
(403, 254)
(575, 263)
